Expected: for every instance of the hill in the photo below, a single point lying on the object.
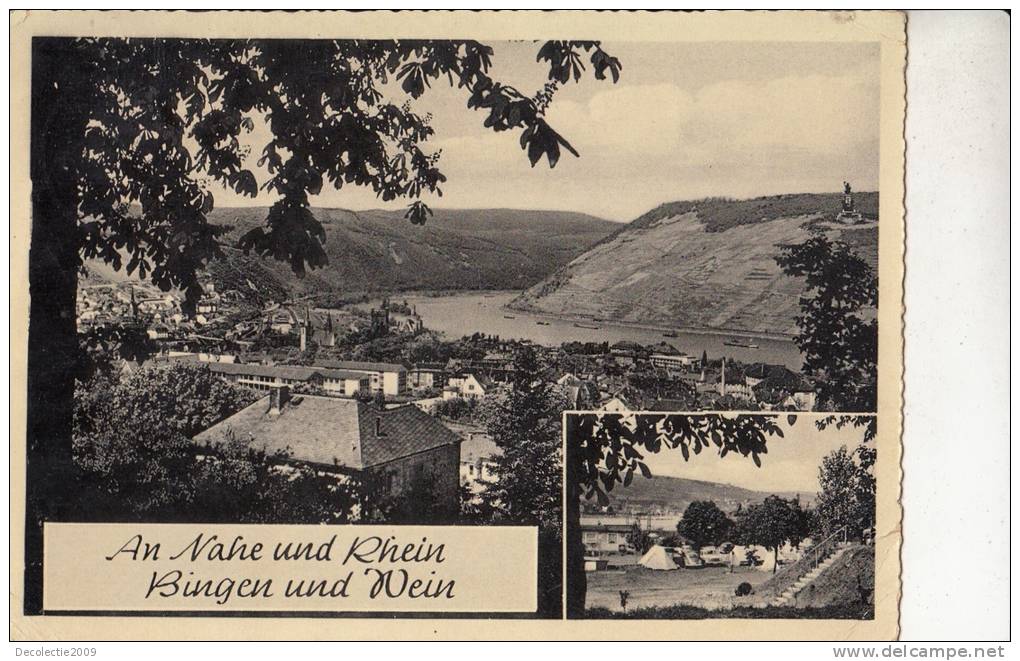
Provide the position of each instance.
(707, 264)
(674, 494)
(381, 251)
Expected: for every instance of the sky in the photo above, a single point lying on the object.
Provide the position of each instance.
(791, 464)
(685, 120)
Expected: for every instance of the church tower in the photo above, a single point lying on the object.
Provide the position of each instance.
(303, 333)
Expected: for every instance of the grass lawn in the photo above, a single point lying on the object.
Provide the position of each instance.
(708, 587)
(836, 612)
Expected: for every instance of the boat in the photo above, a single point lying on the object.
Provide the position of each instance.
(670, 334)
(586, 326)
(542, 323)
(509, 316)
(735, 342)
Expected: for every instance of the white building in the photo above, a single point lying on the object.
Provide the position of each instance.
(340, 381)
(676, 362)
(467, 385)
(388, 378)
(477, 462)
(668, 357)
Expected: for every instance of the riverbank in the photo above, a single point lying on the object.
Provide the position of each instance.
(687, 330)
(513, 307)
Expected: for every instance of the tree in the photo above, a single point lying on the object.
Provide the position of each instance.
(607, 449)
(772, 523)
(456, 408)
(704, 523)
(239, 483)
(837, 340)
(173, 398)
(847, 495)
(420, 501)
(137, 463)
(524, 422)
(649, 385)
(126, 133)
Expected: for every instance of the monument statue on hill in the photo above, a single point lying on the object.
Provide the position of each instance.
(849, 215)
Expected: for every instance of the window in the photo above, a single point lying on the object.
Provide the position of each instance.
(612, 538)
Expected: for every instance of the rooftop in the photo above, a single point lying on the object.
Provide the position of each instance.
(295, 372)
(666, 349)
(333, 432)
(479, 446)
(429, 367)
(359, 366)
(340, 374)
(608, 527)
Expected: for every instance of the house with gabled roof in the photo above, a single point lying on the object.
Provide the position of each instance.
(779, 387)
(390, 449)
(468, 385)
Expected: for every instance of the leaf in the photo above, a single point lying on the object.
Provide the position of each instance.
(645, 471)
(246, 184)
(535, 150)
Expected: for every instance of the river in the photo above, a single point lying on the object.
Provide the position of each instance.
(462, 314)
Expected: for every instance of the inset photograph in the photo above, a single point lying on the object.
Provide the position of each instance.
(681, 516)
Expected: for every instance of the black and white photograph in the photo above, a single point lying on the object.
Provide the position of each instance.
(439, 282)
(680, 516)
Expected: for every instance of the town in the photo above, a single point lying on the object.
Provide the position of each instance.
(337, 361)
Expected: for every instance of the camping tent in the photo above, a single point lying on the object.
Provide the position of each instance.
(657, 558)
(738, 556)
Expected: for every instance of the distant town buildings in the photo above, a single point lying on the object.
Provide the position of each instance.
(267, 377)
(668, 357)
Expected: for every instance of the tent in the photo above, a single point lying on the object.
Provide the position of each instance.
(657, 558)
(738, 556)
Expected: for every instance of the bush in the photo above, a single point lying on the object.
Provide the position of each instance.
(744, 589)
(136, 461)
(455, 409)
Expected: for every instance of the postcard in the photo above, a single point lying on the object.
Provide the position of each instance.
(456, 325)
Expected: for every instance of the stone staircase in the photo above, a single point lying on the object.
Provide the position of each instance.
(790, 593)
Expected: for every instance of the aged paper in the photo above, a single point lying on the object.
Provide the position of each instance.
(373, 270)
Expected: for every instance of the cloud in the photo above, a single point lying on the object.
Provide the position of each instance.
(645, 118)
(724, 121)
(643, 144)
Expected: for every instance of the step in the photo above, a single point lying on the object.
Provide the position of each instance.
(808, 578)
